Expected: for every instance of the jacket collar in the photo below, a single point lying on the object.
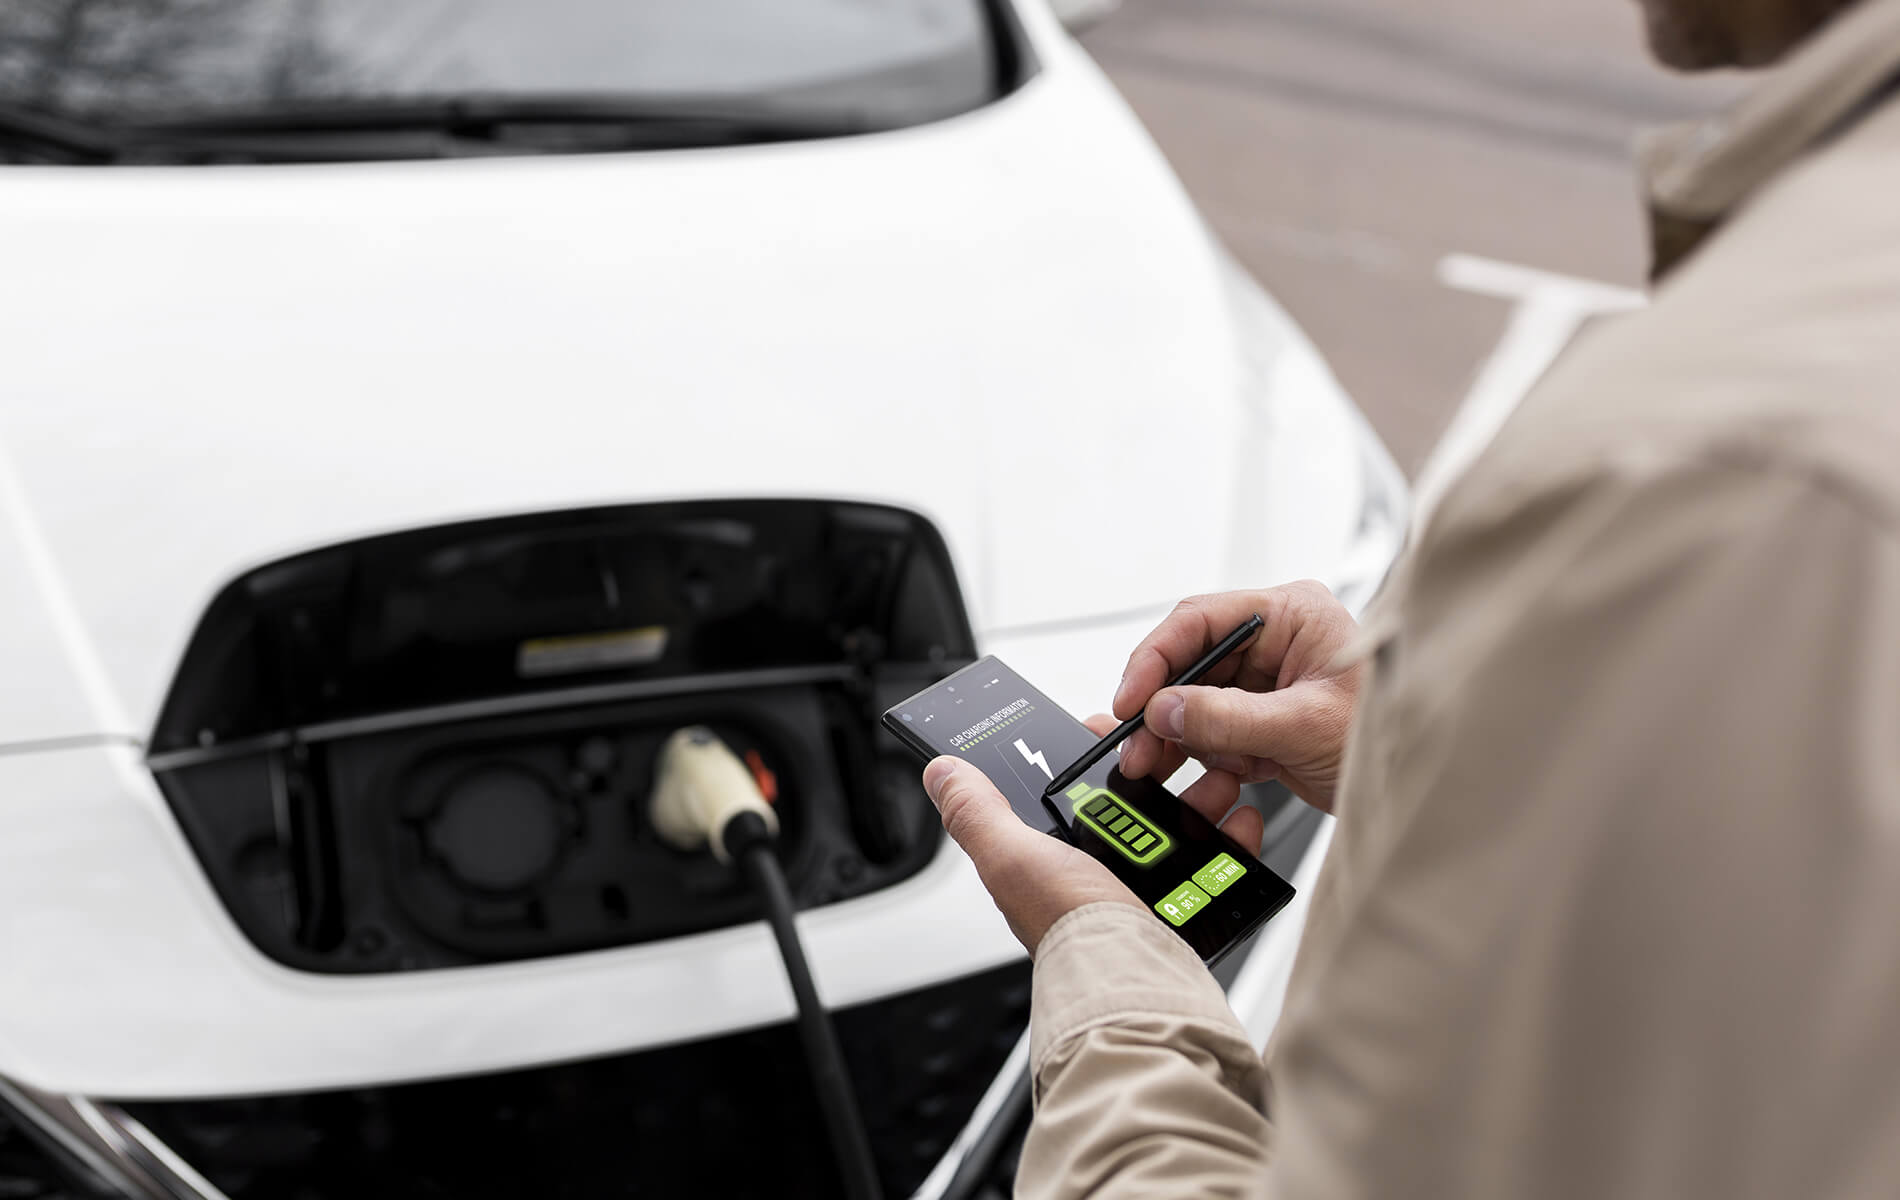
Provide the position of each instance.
(1698, 173)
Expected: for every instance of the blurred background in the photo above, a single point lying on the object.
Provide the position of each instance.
(1343, 149)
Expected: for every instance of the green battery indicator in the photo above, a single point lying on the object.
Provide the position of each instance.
(1119, 824)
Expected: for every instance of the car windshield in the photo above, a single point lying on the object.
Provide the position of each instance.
(879, 63)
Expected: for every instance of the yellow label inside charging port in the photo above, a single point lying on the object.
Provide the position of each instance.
(590, 651)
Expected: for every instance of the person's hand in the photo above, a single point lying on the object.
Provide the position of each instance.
(1033, 877)
(1278, 708)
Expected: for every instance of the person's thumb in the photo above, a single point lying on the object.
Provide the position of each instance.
(1219, 720)
(975, 814)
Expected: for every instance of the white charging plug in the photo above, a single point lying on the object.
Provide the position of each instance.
(699, 788)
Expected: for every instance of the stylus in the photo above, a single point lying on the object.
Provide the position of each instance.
(1116, 736)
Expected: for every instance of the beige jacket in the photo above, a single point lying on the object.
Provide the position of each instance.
(1613, 906)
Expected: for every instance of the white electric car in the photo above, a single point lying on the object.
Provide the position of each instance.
(411, 414)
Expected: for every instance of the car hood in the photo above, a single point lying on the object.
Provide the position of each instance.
(1012, 322)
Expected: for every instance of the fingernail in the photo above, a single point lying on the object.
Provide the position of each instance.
(1164, 715)
(1119, 689)
(939, 770)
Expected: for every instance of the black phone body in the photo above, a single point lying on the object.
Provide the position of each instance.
(1194, 878)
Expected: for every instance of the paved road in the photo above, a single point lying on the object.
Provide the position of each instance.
(1344, 147)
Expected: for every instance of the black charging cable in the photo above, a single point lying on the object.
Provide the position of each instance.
(704, 797)
(749, 841)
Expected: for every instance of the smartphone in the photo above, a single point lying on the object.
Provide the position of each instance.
(1204, 885)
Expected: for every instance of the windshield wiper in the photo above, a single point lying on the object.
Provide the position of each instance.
(463, 126)
(33, 129)
(58, 138)
(603, 122)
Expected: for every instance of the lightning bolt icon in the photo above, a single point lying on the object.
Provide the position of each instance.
(1035, 758)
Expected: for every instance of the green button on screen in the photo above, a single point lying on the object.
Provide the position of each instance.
(1183, 902)
(1215, 876)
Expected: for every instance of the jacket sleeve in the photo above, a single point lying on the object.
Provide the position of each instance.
(1146, 1084)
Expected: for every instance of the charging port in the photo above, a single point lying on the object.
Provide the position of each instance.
(438, 747)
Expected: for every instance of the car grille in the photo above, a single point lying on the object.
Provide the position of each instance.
(731, 1116)
(27, 1171)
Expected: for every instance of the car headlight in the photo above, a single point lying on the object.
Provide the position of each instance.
(1318, 494)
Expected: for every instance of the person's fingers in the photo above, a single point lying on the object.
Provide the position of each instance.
(1305, 627)
(975, 814)
(1212, 794)
(1247, 827)
(1245, 767)
(1145, 756)
(1208, 721)
(1101, 725)
(1233, 764)
(1035, 879)
(1195, 624)
(1141, 754)
(1166, 759)
(1173, 758)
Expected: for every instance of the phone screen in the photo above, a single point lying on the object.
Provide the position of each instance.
(1203, 884)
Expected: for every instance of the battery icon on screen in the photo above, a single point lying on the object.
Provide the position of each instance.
(1119, 824)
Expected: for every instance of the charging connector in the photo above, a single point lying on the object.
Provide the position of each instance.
(700, 787)
(704, 795)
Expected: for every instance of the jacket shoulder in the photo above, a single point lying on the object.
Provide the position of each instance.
(1777, 344)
